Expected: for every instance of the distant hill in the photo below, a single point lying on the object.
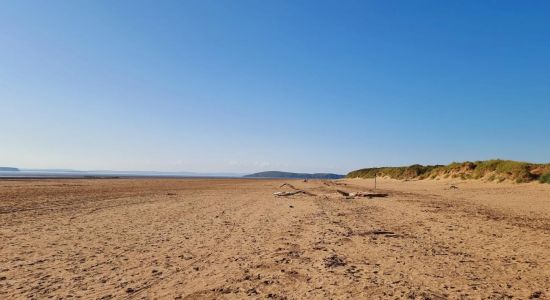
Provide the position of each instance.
(8, 169)
(489, 170)
(279, 174)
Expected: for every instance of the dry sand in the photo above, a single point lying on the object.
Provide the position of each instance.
(231, 238)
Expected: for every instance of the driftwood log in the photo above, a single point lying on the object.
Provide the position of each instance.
(373, 195)
(284, 194)
(343, 193)
(289, 185)
(362, 194)
(296, 191)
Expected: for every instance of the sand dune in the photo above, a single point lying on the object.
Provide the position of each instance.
(232, 239)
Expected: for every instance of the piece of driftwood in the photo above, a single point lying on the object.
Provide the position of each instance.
(362, 194)
(308, 193)
(289, 185)
(296, 191)
(380, 232)
(284, 194)
(343, 193)
(374, 195)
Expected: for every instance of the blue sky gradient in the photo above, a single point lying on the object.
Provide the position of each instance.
(242, 86)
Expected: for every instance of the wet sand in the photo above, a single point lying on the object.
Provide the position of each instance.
(232, 239)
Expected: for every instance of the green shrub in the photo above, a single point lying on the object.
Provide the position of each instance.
(515, 169)
(393, 172)
(545, 178)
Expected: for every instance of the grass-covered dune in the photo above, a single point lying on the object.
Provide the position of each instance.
(490, 170)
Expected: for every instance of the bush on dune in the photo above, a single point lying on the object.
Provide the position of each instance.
(394, 172)
(520, 171)
(545, 178)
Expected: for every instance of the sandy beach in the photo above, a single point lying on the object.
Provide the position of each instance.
(233, 239)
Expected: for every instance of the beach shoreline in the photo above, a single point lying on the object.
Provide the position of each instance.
(232, 238)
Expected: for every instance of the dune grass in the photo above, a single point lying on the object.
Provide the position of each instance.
(545, 178)
(518, 171)
(393, 172)
(491, 170)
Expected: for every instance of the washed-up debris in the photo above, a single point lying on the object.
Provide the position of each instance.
(335, 261)
(343, 193)
(373, 195)
(380, 232)
(361, 194)
(284, 194)
(296, 191)
(453, 187)
(289, 185)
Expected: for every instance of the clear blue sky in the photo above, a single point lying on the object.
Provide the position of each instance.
(239, 86)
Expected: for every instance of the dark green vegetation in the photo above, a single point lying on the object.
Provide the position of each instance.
(8, 169)
(491, 170)
(545, 178)
(393, 172)
(278, 174)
